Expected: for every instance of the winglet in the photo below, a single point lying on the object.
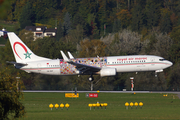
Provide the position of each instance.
(70, 55)
(64, 56)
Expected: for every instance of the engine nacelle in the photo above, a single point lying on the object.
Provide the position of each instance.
(108, 72)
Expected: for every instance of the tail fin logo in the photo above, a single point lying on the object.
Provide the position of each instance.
(27, 54)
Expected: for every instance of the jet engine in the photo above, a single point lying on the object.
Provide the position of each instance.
(108, 72)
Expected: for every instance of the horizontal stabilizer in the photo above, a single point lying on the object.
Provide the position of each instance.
(18, 64)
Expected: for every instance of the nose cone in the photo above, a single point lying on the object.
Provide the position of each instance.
(169, 63)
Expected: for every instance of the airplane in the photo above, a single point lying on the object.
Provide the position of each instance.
(104, 66)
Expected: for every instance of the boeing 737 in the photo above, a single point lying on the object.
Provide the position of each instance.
(104, 66)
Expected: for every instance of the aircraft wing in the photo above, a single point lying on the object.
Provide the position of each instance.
(85, 68)
(81, 67)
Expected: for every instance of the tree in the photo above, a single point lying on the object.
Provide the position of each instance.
(147, 81)
(123, 42)
(125, 18)
(137, 18)
(92, 48)
(72, 7)
(94, 31)
(27, 17)
(45, 9)
(79, 20)
(165, 25)
(60, 31)
(116, 25)
(175, 48)
(86, 7)
(5, 6)
(67, 23)
(76, 35)
(178, 12)
(152, 14)
(10, 95)
(174, 78)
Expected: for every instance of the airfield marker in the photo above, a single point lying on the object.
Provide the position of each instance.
(131, 104)
(98, 105)
(126, 104)
(102, 105)
(56, 106)
(51, 106)
(136, 104)
(61, 106)
(67, 105)
(141, 104)
(90, 105)
(94, 105)
(105, 105)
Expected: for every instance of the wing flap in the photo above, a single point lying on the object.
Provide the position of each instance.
(85, 68)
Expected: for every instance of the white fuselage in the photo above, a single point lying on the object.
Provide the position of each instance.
(105, 66)
(133, 63)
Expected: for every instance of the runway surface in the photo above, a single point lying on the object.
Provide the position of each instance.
(55, 91)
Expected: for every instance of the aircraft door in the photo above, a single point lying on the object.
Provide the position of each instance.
(152, 65)
(152, 61)
(39, 67)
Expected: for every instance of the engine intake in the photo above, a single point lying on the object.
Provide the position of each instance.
(108, 72)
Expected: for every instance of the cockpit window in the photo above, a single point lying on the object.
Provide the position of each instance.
(162, 59)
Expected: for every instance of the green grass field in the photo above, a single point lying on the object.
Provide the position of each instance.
(3, 41)
(9, 26)
(156, 106)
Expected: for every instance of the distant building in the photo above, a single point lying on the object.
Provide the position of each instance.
(41, 31)
(50, 32)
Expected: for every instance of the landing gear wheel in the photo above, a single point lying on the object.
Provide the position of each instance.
(91, 78)
(155, 74)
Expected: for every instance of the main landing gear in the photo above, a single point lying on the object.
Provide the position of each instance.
(91, 78)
